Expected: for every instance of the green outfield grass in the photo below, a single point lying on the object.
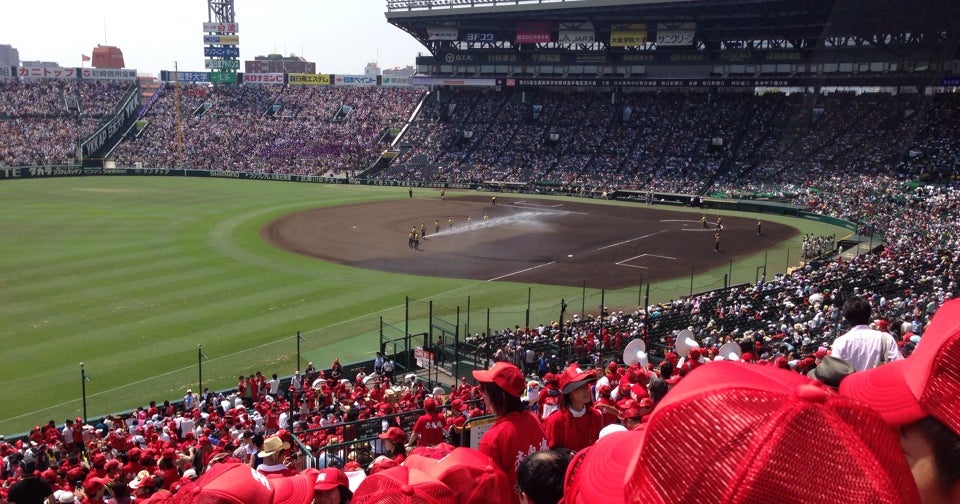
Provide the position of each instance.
(130, 274)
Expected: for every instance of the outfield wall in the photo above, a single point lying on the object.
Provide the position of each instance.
(739, 205)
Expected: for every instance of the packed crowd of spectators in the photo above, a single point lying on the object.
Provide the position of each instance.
(790, 322)
(41, 122)
(690, 142)
(305, 130)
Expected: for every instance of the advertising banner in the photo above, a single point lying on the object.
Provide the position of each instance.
(533, 32)
(221, 27)
(571, 37)
(35, 72)
(395, 81)
(649, 83)
(309, 79)
(223, 77)
(221, 64)
(120, 74)
(461, 57)
(479, 37)
(221, 39)
(674, 38)
(440, 81)
(590, 58)
(542, 58)
(263, 78)
(442, 33)
(576, 33)
(354, 80)
(221, 52)
(628, 35)
(168, 76)
(500, 58)
(675, 34)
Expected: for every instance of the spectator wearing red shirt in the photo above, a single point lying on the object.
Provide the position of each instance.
(577, 423)
(516, 433)
(428, 429)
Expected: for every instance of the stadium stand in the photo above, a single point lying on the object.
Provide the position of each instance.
(886, 160)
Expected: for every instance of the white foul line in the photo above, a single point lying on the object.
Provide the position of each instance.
(632, 239)
(521, 271)
(536, 205)
(621, 263)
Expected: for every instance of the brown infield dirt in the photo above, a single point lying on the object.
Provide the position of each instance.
(528, 240)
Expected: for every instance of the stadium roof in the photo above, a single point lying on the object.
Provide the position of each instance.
(895, 25)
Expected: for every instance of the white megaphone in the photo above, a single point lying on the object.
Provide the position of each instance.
(685, 343)
(635, 353)
(729, 351)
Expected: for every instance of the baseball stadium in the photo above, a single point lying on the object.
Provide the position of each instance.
(554, 184)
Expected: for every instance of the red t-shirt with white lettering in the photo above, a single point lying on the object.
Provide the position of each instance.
(430, 428)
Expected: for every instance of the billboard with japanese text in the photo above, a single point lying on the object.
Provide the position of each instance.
(221, 27)
(309, 79)
(533, 32)
(628, 35)
(442, 33)
(263, 78)
(221, 52)
(355, 80)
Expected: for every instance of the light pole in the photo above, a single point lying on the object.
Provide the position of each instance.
(83, 390)
(200, 358)
(299, 338)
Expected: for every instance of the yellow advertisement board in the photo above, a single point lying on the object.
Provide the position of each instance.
(628, 35)
(309, 79)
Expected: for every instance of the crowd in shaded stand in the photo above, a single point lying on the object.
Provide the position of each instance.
(38, 127)
(677, 141)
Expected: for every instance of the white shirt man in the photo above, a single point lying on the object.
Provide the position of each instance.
(862, 346)
(67, 433)
(866, 348)
(274, 385)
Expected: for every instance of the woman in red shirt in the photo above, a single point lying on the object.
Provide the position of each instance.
(576, 425)
(516, 433)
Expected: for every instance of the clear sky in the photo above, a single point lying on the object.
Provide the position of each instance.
(341, 36)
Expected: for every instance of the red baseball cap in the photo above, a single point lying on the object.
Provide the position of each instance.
(394, 434)
(731, 432)
(925, 383)
(597, 472)
(402, 485)
(328, 479)
(504, 375)
(94, 485)
(235, 483)
(474, 478)
(573, 378)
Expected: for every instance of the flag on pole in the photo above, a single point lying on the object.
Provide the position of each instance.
(204, 356)
(84, 57)
(86, 377)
